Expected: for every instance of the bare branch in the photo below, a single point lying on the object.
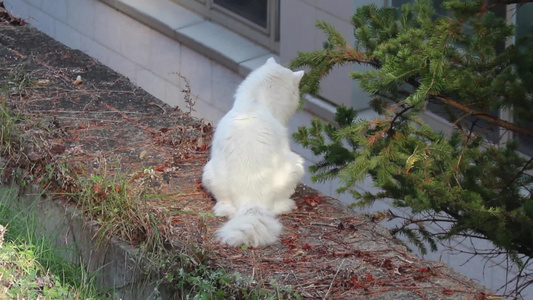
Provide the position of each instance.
(524, 168)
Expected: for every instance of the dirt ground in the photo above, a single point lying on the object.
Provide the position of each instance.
(105, 121)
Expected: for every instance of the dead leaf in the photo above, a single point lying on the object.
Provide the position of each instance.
(78, 80)
(307, 247)
(35, 156)
(448, 292)
(387, 264)
(143, 154)
(58, 149)
(97, 189)
(202, 227)
(355, 282)
(397, 271)
(313, 200)
(43, 82)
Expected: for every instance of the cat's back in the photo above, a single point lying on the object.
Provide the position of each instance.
(249, 125)
(247, 141)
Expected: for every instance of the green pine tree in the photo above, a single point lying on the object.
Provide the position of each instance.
(470, 180)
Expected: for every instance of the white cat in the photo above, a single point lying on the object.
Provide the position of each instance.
(252, 171)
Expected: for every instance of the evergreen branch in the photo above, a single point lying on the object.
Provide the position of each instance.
(485, 117)
(414, 55)
(524, 168)
(391, 129)
(351, 54)
(467, 140)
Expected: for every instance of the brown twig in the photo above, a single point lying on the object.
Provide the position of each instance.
(324, 224)
(485, 117)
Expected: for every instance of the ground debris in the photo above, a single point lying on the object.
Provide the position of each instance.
(7, 17)
(325, 251)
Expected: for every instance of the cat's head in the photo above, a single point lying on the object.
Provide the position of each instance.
(274, 86)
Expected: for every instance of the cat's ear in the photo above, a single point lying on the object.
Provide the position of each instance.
(271, 60)
(298, 75)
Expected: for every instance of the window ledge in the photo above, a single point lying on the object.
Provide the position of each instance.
(185, 26)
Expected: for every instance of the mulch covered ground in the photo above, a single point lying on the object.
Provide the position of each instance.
(326, 250)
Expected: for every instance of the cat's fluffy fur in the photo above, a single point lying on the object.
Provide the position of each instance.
(252, 171)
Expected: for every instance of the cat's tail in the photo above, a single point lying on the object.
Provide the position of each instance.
(252, 225)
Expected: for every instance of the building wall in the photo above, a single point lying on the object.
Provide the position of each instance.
(299, 33)
(152, 59)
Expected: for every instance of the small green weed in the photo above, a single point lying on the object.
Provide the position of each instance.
(191, 274)
(30, 268)
(206, 283)
(23, 277)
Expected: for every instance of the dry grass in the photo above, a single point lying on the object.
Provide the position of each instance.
(119, 208)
